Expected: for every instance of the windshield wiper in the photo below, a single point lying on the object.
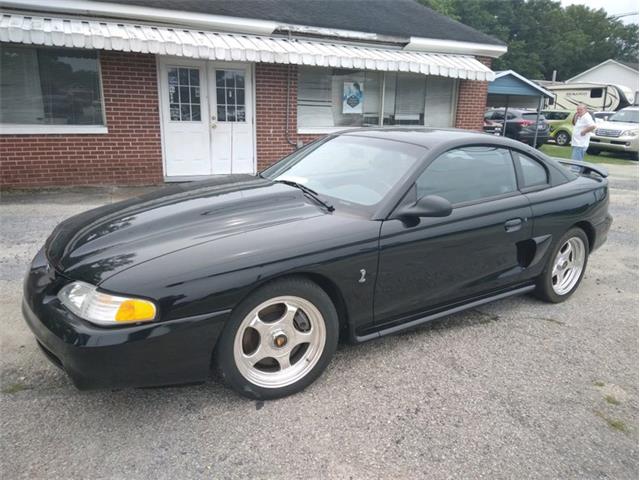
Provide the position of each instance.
(310, 193)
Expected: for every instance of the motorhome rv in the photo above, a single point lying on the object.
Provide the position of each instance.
(596, 96)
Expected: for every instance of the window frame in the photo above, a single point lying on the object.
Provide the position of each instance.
(44, 129)
(478, 201)
(330, 130)
(520, 174)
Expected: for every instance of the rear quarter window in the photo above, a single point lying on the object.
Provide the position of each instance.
(533, 172)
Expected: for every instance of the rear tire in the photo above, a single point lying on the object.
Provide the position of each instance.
(565, 267)
(278, 340)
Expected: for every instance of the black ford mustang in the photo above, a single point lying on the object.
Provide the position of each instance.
(363, 233)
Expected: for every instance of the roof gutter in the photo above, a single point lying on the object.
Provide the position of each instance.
(453, 46)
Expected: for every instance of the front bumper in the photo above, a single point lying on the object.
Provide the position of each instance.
(614, 144)
(153, 354)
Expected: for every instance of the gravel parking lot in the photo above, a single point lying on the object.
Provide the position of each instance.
(515, 389)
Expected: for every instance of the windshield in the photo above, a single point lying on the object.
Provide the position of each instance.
(629, 116)
(352, 169)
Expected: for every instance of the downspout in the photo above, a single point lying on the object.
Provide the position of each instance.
(287, 111)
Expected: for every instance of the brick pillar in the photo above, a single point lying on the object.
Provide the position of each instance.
(472, 101)
(271, 112)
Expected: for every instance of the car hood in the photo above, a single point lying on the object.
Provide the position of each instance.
(617, 125)
(99, 243)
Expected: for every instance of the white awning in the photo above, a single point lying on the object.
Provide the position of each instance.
(126, 37)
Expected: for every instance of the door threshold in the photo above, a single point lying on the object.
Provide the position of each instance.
(444, 313)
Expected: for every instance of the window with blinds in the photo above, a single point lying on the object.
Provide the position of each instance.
(342, 98)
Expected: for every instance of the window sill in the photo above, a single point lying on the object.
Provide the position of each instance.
(15, 129)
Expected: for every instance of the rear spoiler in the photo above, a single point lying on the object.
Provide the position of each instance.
(583, 168)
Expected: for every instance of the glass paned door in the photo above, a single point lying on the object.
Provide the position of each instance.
(185, 114)
(207, 117)
(232, 128)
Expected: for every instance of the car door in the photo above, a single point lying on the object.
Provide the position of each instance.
(431, 262)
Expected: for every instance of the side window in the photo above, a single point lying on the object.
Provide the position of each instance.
(469, 174)
(533, 173)
(596, 93)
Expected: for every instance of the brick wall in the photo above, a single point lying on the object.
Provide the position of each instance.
(271, 106)
(472, 101)
(130, 154)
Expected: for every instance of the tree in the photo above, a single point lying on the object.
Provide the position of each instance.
(542, 36)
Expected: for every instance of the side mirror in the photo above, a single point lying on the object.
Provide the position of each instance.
(427, 206)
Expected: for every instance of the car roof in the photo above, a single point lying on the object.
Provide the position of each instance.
(425, 137)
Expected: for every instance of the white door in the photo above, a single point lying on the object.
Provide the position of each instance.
(230, 91)
(185, 117)
(207, 116)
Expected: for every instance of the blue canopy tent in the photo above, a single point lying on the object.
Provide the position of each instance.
(510, 89)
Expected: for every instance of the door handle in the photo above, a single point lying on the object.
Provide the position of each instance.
(513, 225)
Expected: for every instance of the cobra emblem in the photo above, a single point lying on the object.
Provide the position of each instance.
(363, 276)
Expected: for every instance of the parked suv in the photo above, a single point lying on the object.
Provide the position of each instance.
(617, 134)
(521, 125)
(560, 125)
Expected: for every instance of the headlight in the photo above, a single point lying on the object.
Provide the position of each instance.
(629, 133)
(86, 302)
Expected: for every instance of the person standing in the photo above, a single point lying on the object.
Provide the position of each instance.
(583, 125)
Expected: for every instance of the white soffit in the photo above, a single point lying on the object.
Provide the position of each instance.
(126, 37)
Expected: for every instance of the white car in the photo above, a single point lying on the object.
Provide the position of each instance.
(619, 133)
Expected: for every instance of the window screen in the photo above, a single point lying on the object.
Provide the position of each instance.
(49, 86)
(533, 173)
(469, 174)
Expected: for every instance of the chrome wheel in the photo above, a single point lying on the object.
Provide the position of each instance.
(568, 266)
(279, 342)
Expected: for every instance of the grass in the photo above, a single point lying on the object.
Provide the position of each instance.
(613, 423)
(612, 400)
(604, 157)
(15, 388)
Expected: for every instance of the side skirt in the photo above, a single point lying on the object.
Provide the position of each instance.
(444, 313)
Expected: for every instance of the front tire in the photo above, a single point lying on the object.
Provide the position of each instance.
(565, 267)
(278, 340)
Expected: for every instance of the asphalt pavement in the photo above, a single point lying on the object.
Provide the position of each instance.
(516, 389)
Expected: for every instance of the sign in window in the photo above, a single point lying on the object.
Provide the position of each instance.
(230, 95)
(184, 94)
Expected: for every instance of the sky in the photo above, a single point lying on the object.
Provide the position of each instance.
(612, 7)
